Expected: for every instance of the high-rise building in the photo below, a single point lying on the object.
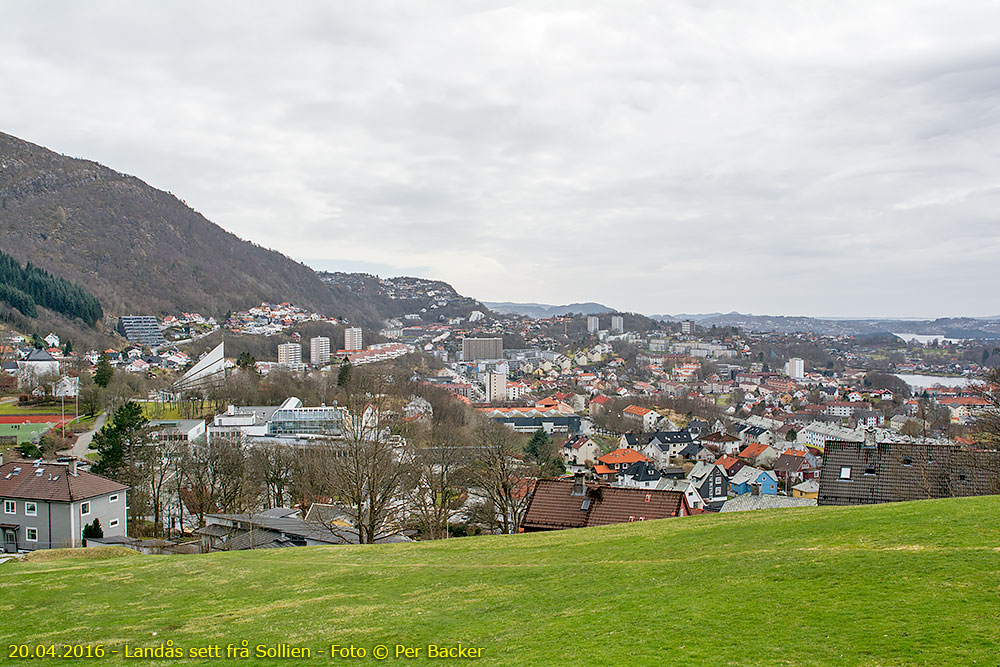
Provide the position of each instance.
(618, 324)
(319, 351)
(687, 327)
(290, 354)
(593, 324)
(496, 387)
(352, 338)
(474, 349)
(795, 368)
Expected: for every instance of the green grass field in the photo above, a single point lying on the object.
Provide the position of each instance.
(906, 584)
(49, 409)
(25, 432)
(160, 410)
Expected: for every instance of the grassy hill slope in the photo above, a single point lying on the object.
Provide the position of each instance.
(912, 583)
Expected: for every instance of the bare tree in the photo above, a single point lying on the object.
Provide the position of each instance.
(987, 423)
(504, 479)
(216, 477)
(272, 465)
(159, 459)
(368, 473)
(439, 477)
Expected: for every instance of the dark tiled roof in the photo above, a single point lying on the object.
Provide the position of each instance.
(55, 482)
(893, 472)
(553, 505)
(790, 463)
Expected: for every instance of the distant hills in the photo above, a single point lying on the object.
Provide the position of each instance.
(542, 310)
(957, 327)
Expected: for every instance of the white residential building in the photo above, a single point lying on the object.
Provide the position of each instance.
(352, 338)
(496, 387)
(795, 368)
(617, 324)
(319, 351)
(593, 324)
(290, 354)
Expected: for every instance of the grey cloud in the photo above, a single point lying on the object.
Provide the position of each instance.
(658, 157)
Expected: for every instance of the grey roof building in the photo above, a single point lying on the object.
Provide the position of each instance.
(856, 473)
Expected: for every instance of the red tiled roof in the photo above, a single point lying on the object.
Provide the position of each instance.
(622, 455)
(55, 482)
(553, 505)
(753, 450)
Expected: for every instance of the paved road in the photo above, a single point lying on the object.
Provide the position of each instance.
(82, 446)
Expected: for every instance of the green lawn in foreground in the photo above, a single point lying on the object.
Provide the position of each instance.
(910, 583)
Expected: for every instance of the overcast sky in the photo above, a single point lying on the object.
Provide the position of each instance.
(816, 158)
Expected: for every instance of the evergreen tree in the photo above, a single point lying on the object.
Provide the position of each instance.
(37, 341)
(537, 443)
(344, 375)
(115, 441)
(104, 372)
(246, 361)
(93, 529)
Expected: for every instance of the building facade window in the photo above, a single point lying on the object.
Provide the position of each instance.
(113, 523)
(113, 499)
(31, 534)
(9, 507)
(30, 509)
(84, 509)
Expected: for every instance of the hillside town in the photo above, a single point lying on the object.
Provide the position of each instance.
(616, 409)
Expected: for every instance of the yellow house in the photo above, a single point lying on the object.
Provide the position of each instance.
(806, 489)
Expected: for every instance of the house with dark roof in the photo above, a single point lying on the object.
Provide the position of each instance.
(864, 473)
(725, 443)
(639, 475)
(557, 504)
(46, 505)
(665, 445)
(794, 466)
(269, 530)
(578, 449)
(711, 482)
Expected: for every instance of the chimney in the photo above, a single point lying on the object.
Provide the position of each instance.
(871, 434)
(579, 487)
(72, 467)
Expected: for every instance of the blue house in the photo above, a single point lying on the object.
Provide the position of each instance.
(747, 476)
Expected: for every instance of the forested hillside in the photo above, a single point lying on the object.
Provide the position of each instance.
(25, 287)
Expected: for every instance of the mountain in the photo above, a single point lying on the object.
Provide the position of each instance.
(405, 295)
(541, 310)
(140, 250)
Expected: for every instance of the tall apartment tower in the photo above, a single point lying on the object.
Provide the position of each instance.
(474, 349)
(618, 324)
(290, 354)
(319, 351)
(496, 387)
(593, 324)
(687, 327)
(352, 338)
(795, 368)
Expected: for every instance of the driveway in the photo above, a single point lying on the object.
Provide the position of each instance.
(82, 445)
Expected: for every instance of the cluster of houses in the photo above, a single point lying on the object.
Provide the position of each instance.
(269, 319)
